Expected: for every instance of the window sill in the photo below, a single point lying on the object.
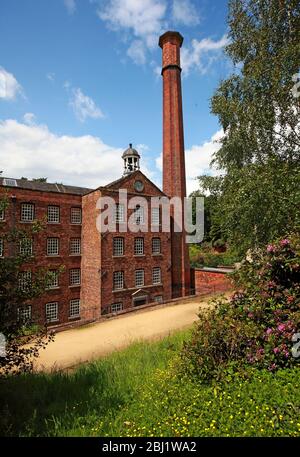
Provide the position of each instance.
(76, 223)
(158, 254)
(74, 285)
(119, 290)
(53, 256)
(146, 286)
(74, 255)
(139, 255)
(72, 318)
(118, 256)
(26, 222)
(52, 288)
(52, 321)
(53, 223)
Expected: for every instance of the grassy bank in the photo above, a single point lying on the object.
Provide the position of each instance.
(76, 403)
(136, 392)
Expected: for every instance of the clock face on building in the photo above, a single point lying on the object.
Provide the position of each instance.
(139, 186)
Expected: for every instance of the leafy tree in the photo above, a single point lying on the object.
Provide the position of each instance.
(255, 204)
(23, 339)
(207, 212)
(258, 196)
(39, 179)
(256, 107)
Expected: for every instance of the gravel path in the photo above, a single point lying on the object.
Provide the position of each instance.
(75, 346)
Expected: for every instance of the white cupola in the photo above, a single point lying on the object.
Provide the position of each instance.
(131, 160)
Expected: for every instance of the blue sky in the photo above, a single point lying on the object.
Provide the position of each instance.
(79, 80)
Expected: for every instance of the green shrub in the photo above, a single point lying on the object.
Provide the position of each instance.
(205, 256)
(257, 324)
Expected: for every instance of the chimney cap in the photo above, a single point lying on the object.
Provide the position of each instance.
(169, 35)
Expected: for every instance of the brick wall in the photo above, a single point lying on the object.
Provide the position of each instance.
(210, 281)
(63, 230)
(130, 262)
(91, 258)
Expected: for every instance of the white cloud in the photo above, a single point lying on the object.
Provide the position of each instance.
(29, 118)
(201, 54)
(144, 19)
(9, 86)
(70, 5)
(50, 76)
(84, 106)
(142, 147)
(197, 161)
(137, 52)
(184, 12)
(198, 158)
(141, 22)
(34, 151)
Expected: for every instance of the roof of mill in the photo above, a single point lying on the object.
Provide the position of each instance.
(43, 186)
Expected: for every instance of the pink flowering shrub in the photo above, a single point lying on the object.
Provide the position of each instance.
(255, 327)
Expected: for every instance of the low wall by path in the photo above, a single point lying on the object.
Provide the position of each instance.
(204, 282)
(211, 280)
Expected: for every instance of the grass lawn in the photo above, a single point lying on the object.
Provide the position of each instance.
(136, 392)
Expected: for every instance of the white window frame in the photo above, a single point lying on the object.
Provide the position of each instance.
(75, 246)
(52, 311)
(139, 215)
(53, 214)
(118, 280)
(155, 216)
(24, 314)
(52, 246)
(156, 245)
(1, 247)
(119, 212)
(74, 310)
(54, 280)
(116, 307)
(27, 212)
(76, 215)
(26, 246)
(139, 246)
(118, 246)
(24, 280)
(75, 277)
(156, 275)
(139, 277)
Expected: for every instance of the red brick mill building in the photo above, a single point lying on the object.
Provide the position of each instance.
(107, 272)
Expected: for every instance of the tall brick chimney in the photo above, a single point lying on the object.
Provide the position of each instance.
(174, 182)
